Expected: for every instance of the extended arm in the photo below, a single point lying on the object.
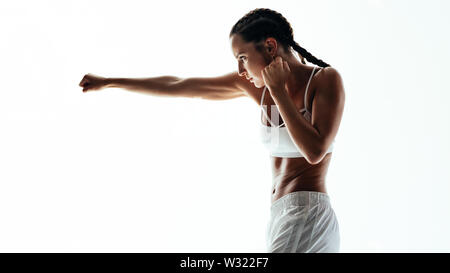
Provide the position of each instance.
(212, 88)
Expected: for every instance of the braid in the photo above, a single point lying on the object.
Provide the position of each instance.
(303, 52)
(259, 24)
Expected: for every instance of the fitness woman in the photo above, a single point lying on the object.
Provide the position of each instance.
(301, 110)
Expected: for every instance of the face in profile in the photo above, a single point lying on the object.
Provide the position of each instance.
(251, 62)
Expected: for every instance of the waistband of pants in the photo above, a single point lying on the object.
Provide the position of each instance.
(299, 198)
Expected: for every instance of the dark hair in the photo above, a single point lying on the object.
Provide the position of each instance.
(259, 24)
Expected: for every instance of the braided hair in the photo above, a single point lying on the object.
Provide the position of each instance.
(259, 24)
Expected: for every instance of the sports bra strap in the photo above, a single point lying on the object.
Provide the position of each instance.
(307, 85)
(306, 93)
(262, 97)
(262, 108)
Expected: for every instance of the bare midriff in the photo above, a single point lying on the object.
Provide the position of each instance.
(296, 174)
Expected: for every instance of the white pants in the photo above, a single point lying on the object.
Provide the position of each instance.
(302, 221)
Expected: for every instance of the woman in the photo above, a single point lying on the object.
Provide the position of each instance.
(300, 144)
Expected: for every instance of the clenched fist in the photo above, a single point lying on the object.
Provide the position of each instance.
(92, 82)
(276, 74)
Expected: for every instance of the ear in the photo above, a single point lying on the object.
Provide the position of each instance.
(271, 43)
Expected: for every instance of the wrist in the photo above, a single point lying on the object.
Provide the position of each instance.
(109, 82)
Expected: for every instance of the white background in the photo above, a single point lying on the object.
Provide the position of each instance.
(119, 171)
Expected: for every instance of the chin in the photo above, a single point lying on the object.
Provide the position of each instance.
(257, 84)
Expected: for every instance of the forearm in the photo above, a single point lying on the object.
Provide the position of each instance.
(156, 86)
(304, 135)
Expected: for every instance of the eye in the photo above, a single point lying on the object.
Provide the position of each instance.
(243, 58)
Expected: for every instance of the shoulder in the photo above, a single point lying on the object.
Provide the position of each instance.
(249, 89)
(328, 75)
(329, 82)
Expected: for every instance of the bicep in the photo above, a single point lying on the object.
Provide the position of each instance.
(328, 106)
(211, 88)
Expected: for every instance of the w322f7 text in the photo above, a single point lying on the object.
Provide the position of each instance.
(234, 262)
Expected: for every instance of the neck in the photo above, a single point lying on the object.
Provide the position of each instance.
(299, 74)
(299, 71)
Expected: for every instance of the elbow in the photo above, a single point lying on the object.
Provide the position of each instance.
(312, 160)
(317, 153)
(314, 154)
(315, 157)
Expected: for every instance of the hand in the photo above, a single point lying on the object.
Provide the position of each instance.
(92, 82)
(275, 74)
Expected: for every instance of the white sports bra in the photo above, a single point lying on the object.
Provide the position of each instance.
(276, 138)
